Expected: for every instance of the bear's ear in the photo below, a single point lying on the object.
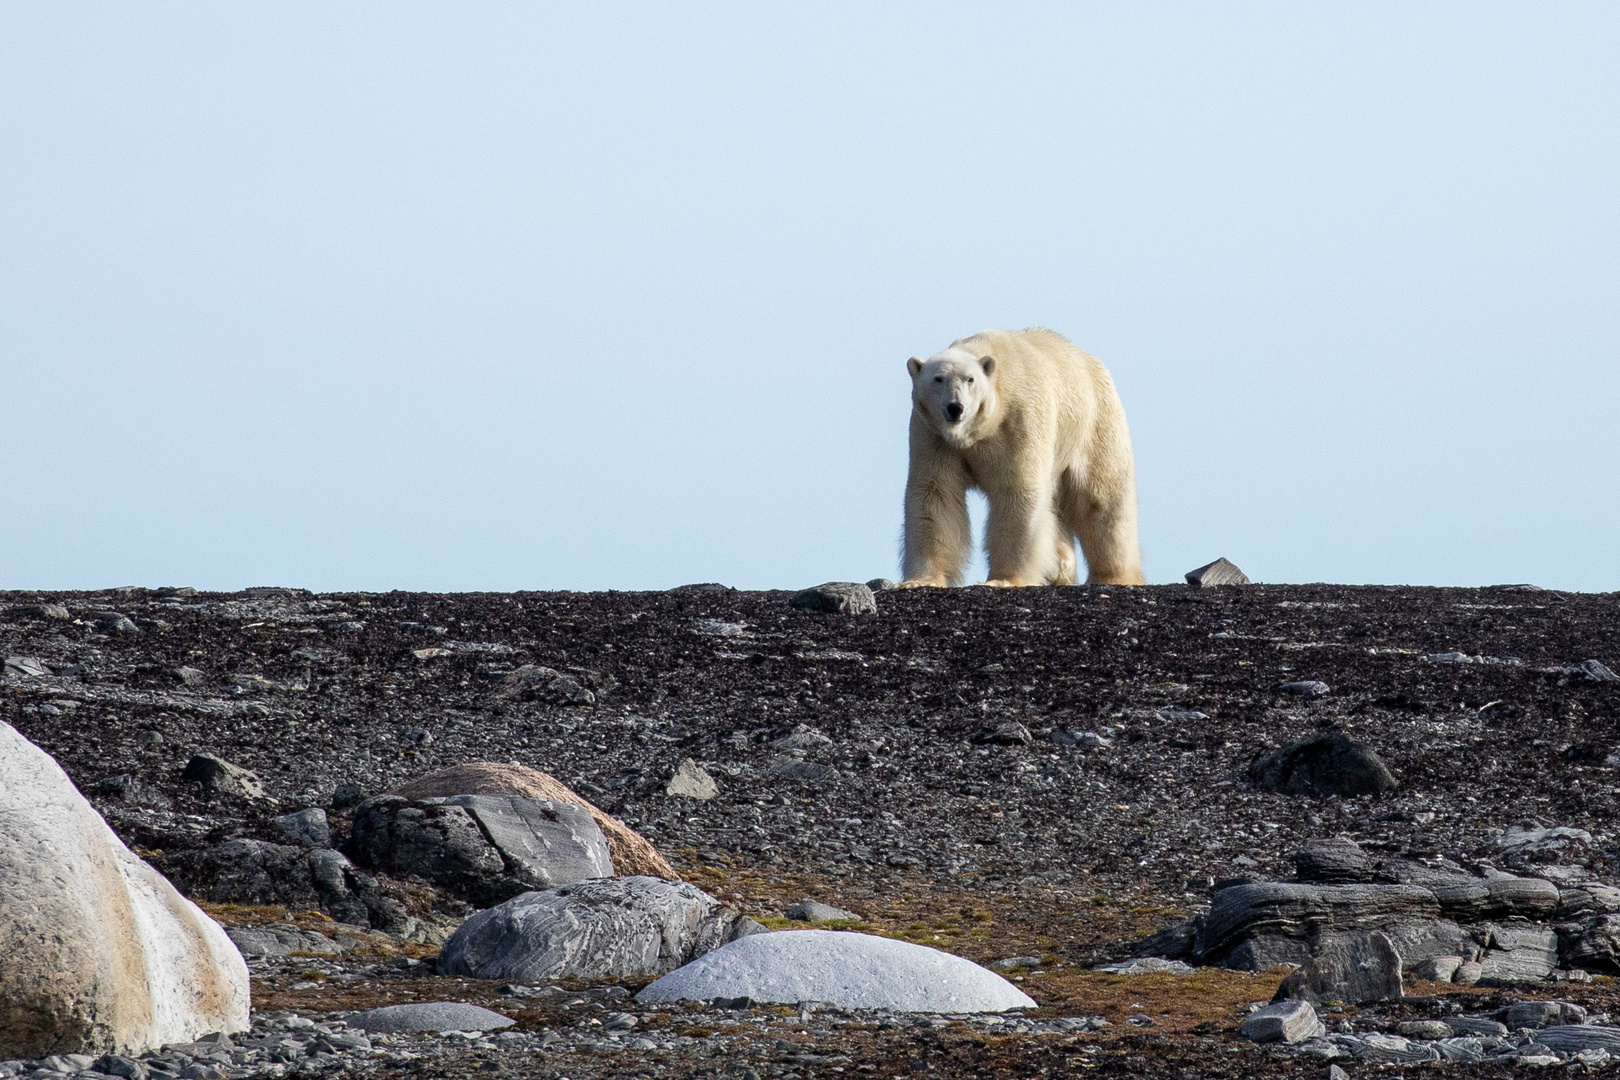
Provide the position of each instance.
(914, 365)
(988, 363)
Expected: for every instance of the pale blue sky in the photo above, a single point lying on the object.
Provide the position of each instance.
(483, 296)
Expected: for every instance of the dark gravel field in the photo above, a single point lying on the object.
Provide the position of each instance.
(1052, 773)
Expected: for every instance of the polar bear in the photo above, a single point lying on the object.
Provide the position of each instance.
(1037, 425)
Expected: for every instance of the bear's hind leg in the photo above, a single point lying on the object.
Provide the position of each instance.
(1108, 539)
(1106, 530)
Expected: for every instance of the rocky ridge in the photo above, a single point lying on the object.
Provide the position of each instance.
(1044, 746)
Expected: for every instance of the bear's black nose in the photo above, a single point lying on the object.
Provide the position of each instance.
(953, 411)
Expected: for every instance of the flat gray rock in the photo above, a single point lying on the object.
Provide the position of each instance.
(854, 971)
(1284, 1022)
(1379, 1047)
(815, 911)
(1573, 1038)
(1476, 1025)
(1292, 911)
(1597, 671)
(792, 768)
(1332, 861)
(1219, 572)
(1305, 688)
(280, 941)
(1475, 899)
(545, 844)
(1149, 965)
(430, 1016)
(621, 927)
(837, 597)
(26, 666)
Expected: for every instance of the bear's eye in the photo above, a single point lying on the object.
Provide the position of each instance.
(970, 379)
(939, 378)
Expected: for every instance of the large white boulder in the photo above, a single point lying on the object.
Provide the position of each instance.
(98, 952)
(856, 971)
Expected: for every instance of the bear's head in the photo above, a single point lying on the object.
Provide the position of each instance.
(955, 393)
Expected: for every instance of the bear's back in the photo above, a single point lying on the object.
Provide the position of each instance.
(1037, 364)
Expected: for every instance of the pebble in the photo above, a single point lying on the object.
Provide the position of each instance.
(1307, 688)
(837, 597)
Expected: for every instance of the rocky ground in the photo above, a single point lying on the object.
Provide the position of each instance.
(1047, 774)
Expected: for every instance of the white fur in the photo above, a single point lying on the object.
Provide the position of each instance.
(1037, 425)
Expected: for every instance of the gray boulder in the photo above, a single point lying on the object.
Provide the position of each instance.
(837, 597)
(1349, 968)
(1520, 952)
(544, 843)
(1291, 912)
(100, 952)
(1540, 1014)
(299, 878)
(430, 1016)
(1291, 1021)
(1332, 861)
(112, 622)
(533, 683)
(1592, 944)
(814, 911)
(1328, 764)
(610, 927)
(215, 774)
(307, 827)
(1219, 572)
(483, 848)
(692, 781)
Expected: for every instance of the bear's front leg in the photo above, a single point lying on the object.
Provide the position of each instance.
(938, 534)
(1021, 537)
